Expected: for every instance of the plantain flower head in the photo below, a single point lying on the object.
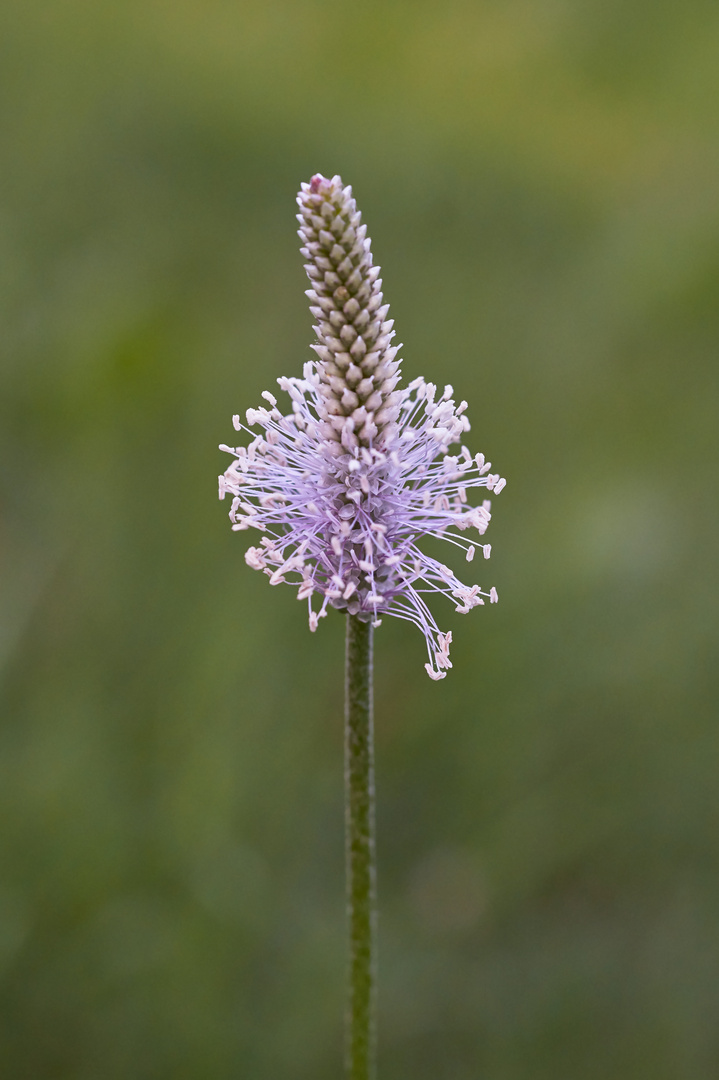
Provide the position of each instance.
(345, 484)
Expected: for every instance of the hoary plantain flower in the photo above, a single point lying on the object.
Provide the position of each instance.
(345, 486)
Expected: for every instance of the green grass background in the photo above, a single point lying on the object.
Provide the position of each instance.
(540, 179)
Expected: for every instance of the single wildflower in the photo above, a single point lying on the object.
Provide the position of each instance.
(345, 485)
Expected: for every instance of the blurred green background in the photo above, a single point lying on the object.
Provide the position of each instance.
(540, 182)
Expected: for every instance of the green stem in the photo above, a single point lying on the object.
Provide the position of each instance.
(360, 851)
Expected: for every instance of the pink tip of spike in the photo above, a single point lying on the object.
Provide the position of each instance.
(315, 182)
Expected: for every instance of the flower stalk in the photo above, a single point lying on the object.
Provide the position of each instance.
(360, 856)
(343, 488)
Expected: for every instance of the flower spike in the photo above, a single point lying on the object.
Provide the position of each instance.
(344, 486)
